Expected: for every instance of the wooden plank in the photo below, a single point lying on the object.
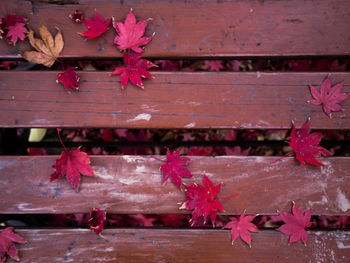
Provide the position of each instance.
(202, 28)
(132, 184)
(175, 245)
(171, 100)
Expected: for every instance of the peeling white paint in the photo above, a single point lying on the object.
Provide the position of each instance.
(142, 116)
(343, 202)
(141, 169)
(323, 201)
(190, 125)
(129, 180)
(340, 244)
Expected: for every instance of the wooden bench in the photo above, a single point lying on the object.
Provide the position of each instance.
(210, 100)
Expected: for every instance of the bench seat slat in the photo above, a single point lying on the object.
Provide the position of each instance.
(203, 28)
(132, 184)
(177, 245)
(171, 100)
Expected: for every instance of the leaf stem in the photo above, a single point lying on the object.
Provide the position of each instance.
(320, 238)
(317, 111)
(109, 42)
(227, 197)
(59, 137)
(158, 159)
(281, 158)
(61, 61)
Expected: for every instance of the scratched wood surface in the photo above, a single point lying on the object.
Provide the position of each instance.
(171, 100)
(132, 184)
(177, 245)
(202, 28)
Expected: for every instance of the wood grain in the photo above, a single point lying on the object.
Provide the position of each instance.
(177, 245)
(132, 184)
(171, 100)
(201, 28)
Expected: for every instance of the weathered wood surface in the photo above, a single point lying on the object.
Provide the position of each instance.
(202, 28)
(175, 245)
(132, 184)
(171, 100)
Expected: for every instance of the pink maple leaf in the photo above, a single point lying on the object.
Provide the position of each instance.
(329, 96)
(130, 34)
(296, 224)
(241, 227)
(213, 65)
(18, 31)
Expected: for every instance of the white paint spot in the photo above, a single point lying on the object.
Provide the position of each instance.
(142, 116)
(251, 10)
(41, 121)
(141, 169)
(258, 74)
(322, 202)
(343, 202)
(194, 103)
(130, 159)
(340, 244)
(129, 180)
(190, 125)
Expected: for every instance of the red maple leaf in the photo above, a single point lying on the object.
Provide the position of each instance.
(296, 224)
(7, 246)
(96, 26)
(134, 69)
(213, 65)
(18, 31)
(130, 34)
(241, 227)
(71, 164)
(97, 220)
(203, 201)
(69, 78)
(306, 146)
(77, 16)
(329, 97)
(8, 23)
(175, 168)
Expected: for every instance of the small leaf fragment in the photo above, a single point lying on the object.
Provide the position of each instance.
(7, 246)
(97, 220)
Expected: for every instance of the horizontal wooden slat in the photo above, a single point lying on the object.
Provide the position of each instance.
(132, 184)
(203, 28)
(171, 100)
(171, 245)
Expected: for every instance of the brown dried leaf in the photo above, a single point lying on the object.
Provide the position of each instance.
(47, 47)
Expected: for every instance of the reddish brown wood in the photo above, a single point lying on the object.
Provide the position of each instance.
(171, 100)
(174, 245)
(202, 28)
(132, 184)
